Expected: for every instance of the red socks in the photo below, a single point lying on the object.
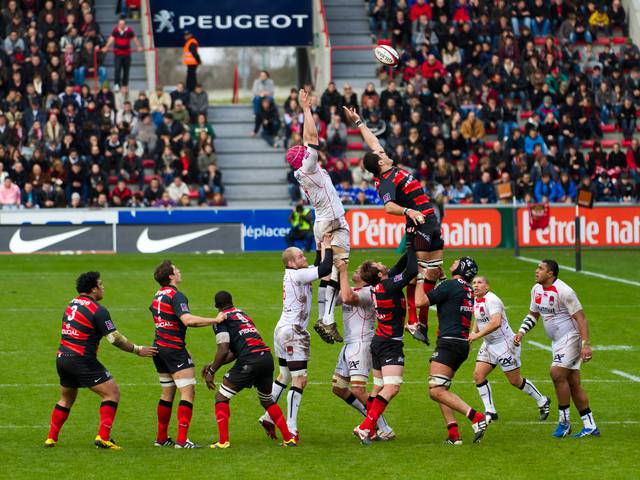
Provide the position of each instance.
(107, 414)
(276, 415)
(185, 411)
(453, 431)
(411, 303)
(58, 417)
(373, 413)
(164, 417)
(424, 311)
(223, 412)
(474, 416)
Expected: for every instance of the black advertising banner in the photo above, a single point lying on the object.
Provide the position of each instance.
(188, 238)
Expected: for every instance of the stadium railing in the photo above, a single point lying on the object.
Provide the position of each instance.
(150, 56)
(322, 73)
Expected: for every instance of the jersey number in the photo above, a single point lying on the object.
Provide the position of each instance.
(74, 309)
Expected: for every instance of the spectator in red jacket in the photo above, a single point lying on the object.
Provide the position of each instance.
(432, 65)
(421, 7)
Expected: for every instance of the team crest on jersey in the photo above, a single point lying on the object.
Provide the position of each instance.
(397, 278)
(109, 325)
(386, 197)
(552, 300)
(482, 311)
(538, 298)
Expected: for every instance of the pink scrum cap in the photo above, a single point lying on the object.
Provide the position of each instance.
(295, 155)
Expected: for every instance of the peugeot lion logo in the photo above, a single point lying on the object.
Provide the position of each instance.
(165, 21)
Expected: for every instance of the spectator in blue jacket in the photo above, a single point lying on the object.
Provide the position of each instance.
(547, 190)
(484, 191)
(534, 138)
(568, 188)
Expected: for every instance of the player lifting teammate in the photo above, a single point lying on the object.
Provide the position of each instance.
(566, 326)
(454, 301)
(84, 323)
(492, 327)
(329, 213)
(171, 315)
(238, 338)
(403, 195)
(387, 353)
(291, 338)
(354, 362)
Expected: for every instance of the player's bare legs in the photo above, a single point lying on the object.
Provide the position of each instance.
(418, 323)
(440, 377)
(560, 379)
(60, 414)
(164, 409)
(110, 395)
(275, 413)
(185, 382)
(280, 384)
(578, 394)
(382, 393)
(328, 295)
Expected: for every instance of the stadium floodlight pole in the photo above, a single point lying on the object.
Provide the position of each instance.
(514, 216)
(578, 246)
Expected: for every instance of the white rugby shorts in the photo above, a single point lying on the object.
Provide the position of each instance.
(566, 352)
(292, 342)
(503, 354)
(339, 228)
(354, 359)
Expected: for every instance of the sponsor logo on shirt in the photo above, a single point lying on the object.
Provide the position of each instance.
(109, 324)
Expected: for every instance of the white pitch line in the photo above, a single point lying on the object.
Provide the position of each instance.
(626, 375)
(587, 272)
(541, 346)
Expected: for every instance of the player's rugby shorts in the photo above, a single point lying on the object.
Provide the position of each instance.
(254, 371)
(292, 343)
(172, 360)
(386, 352)
(566, 352)
(503, 353)
(78, 372)
(354, 359)
(339, 228)
(428, 235)
(450, 352)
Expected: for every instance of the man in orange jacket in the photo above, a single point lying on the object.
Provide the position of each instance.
(191, 59)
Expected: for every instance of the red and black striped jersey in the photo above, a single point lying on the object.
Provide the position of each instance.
(454, 300)
(167, 307)
(84, 323)
(388, 296)
(240, 332)
(401, 187)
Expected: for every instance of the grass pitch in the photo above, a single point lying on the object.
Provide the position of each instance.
(35, 290)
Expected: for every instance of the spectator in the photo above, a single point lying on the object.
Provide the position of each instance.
(301, 221)
(484, 191)
(153, 192)
(10, 196)
(121, 38)
(165, 201)
(472, 129)
(337, 137)
(378, 19)
(626, 190)
(76, 201)
(605, 190)
(627, 118)
(263, 88)
(198, 101)
(331, 102)
(460, 193)
(177, 189)
(268, 121)
(211, 183)
(121, 195)
(568, 186)
(346, 192)
(546, 190)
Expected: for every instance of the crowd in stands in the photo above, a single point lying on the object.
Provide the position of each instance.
(534, 97)
(64, 145)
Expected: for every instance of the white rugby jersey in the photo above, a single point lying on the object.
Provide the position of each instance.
(297, 295)
(317, 184)
(556, 304)
(359, 321)
(483, 309)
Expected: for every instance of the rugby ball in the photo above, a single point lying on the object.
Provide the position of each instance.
(386, 55)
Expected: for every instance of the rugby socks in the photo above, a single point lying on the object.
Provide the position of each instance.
(278, 418)
(484, 389)
(378, 405)
(357, 404)
(531, 390)
(383, 425)
(587, 418)
(423, 317)
(185, 411)
(331, 296)
(294, 397)
(563, 410)
(276, 390)
(223, 412)
(58, 417)
(164, 417)
(411, 304)
(474, 416)
(452, 429)
(322, 295)
(107, 414)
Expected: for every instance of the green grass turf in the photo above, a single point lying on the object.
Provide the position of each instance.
(35, 290)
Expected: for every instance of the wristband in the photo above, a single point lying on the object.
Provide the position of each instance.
(404, 212)
(358, 123)
(136, 349)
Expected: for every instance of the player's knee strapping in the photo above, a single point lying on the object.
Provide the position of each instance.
(359, 381)
(166, 382)
(339, 382)
(228, 392)
(392, 380)
(378, 381)
(299, 372)
(430, 263)
(285, 375)
(436, 381)
(184, 382)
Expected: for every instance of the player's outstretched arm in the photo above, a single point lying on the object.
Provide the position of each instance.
(116, 339)
(309, 132)
(370, 139)
(347, 294)
(527, 324)
(191, 320)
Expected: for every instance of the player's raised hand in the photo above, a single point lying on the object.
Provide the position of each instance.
(351, 114)
(303, 99)
(340, 264)
(147, 351)
(326, 240)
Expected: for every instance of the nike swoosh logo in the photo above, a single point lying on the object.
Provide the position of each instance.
(18, 245)
(96, 381)
(147, 245)
(180, 364)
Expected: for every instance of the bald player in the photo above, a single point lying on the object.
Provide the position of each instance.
(291, 338)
